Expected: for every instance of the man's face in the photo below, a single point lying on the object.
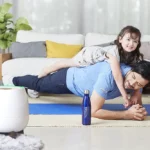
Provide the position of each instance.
(134, 81)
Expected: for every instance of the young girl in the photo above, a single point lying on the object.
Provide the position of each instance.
(125, 50)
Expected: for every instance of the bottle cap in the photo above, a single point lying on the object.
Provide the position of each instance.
(86, 92)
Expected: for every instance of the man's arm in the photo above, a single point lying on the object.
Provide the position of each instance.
(135, 112)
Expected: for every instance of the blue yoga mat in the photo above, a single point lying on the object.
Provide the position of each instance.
(69, 109)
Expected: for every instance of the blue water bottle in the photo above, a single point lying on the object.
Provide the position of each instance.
(86, 109)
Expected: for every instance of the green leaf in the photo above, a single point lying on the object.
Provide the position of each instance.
(3, 30)
(8, 16)
(2, 25)
(24, 27)
(10, 21)
(5, 8)
(1, 17)
(3, 44)
(12, 37)
(6, 35)
(9, 43)
(11, 29)
(1, 36)
(21, 20)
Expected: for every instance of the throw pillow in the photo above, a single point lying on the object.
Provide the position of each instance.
(31, 49)
(59, 50)
(145, 50)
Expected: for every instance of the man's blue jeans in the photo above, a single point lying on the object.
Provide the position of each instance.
(52, 83)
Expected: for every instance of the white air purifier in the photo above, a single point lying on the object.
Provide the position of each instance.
(14, 110)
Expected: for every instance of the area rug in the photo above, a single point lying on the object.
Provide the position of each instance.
(71, 109)
(65, 111)
(22, 142)
(69, 115)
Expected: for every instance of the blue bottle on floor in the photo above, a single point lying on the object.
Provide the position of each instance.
(86, 109)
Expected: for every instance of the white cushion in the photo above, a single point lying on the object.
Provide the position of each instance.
(145, 38)
(30, 36)
(26, 66)
(97, 39)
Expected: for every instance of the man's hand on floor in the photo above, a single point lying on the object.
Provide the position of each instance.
(136, 112)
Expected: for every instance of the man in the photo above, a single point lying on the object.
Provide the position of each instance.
(98, 79)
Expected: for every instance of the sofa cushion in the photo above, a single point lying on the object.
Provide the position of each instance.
(145, 38)
(145, 50)
(26, 66)
(30, 36)
(31, 49)
(59, 50)
(98, 39)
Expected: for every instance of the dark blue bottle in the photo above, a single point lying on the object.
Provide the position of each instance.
(86, 109)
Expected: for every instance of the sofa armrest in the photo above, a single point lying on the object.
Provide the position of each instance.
(3, 58)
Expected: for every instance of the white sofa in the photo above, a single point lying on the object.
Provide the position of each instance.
(33, 66)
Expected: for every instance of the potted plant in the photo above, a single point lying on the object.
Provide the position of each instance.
(9, 28)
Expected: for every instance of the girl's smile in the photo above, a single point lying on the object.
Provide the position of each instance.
(129, 42)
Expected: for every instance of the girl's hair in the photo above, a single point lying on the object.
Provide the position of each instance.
(129, 58)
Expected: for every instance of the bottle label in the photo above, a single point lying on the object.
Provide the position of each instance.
(86, 112)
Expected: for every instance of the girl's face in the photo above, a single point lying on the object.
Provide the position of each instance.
(129, 42)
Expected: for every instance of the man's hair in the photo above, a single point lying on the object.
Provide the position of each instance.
(142, 68)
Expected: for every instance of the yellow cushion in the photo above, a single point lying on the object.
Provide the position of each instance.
(58, 50)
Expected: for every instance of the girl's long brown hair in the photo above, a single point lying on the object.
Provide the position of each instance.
(129, 58)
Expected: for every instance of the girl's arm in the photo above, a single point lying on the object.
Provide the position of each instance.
(56, 66)
(115, 66)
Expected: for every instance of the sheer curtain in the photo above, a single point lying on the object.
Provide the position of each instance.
(83, 16)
